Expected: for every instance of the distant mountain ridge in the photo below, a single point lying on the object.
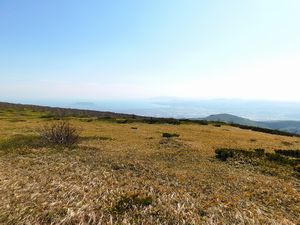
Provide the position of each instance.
(285, 125)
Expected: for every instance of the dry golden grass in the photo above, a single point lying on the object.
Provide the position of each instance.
(120, 175)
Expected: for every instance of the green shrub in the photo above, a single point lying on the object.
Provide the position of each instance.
(130, 202)
(168, 121)
(297, 168)
(170, 135)
(122, 121)
(248, 153)
(17, 120)
(280, 159)
(286, 143)
(48, 116)
(87, 120)
(201, 122)
(259, 151)
(291, 153)
(223, 153)
(95, 138)
(152, 120)
(242, 152)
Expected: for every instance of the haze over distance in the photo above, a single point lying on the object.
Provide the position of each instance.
(207, 57)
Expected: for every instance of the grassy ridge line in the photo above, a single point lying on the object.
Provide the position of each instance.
(127, 118)
(66, 111)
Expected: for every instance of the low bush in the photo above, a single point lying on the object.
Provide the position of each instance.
(202, 122)
(48, 116)
(153, 120)
(223, 153)
(297, 168)
(291, 153)
(88, 120)
(130, 202)
(122, 121)
(286, 143)
(95, 138)
(17, 120)
(281, 159)
(259, 151)
(170, 135)
(60, 133)
(259, 157)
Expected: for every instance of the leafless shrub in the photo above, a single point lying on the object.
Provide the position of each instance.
(60, 133)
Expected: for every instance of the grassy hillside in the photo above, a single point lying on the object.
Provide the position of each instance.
(128, 173)
(228, 118)
(284, 126)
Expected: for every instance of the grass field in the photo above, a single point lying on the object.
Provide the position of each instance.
(127, 173)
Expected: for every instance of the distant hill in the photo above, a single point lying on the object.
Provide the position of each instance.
(288, 126)
(228, 118)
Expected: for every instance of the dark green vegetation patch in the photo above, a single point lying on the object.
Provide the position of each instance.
(265, 130)
(291, 153)
(170, 135)
(224, 153)
(282, 159)
(20, 141)
(130, 202)
(287, 158)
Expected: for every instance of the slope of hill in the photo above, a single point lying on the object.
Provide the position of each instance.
(288, 126)
(228, 118)
(128, 173)
(57, 111)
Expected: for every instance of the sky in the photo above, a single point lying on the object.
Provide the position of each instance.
(135, 49)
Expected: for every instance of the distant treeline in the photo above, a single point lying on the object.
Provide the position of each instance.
(265, 130)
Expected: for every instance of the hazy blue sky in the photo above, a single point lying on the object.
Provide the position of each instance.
(141, 49)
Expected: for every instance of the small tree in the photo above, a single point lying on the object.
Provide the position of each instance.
(60, 133)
